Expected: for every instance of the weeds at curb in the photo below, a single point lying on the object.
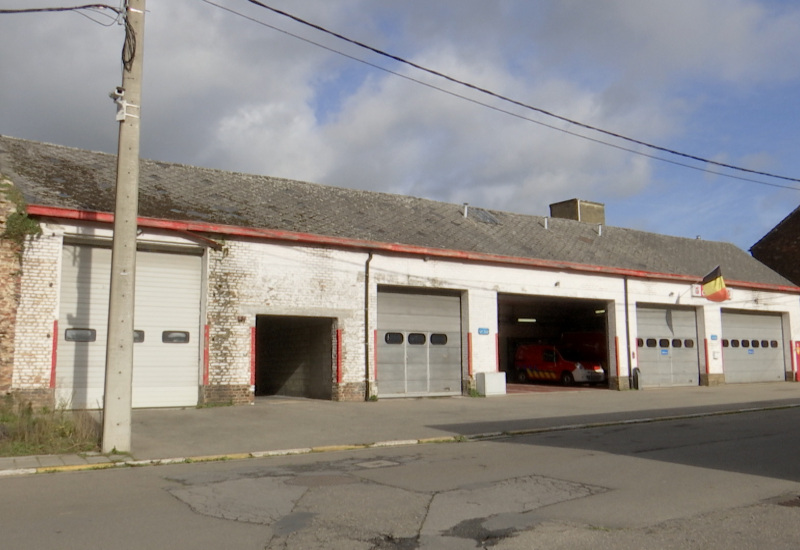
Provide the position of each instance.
(26, 430)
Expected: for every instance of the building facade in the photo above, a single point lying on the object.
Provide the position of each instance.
(780, 248)
(251, 286)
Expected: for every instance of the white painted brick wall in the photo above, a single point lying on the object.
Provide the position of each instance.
(268, 279)
(38, 309)
(249, 278)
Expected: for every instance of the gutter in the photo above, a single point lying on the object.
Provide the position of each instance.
(375, 246)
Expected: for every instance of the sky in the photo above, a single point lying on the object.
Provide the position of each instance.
(233, 86)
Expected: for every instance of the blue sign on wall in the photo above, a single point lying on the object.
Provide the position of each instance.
(664, 352)
(750, 352)
(483, 331)
(713, 336)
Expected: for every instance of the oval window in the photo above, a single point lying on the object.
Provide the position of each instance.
(175, 337)
(416, 339)
(438, 339)
(393, 338)
(80, 335)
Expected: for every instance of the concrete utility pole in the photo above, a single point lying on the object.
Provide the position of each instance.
(119, 346)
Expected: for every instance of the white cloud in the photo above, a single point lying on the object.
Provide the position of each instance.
(736, 40)
(275, 139)
(225, 92)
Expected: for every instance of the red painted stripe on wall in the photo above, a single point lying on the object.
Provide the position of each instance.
(616, 352)
(338, 356)
(206, 339)
(252, 356)
(360, 244)
(708, 366)
(54, 356)
(796, 360)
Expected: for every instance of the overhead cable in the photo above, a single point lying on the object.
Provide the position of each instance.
(70, 8)
(499, 109)
(129, 45)
(516, 102)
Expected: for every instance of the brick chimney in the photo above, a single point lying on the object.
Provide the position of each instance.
(580, 210)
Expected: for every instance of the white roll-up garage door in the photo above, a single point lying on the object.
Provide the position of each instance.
(166, 370)
(419, 344)
(752, 347)
(667, 344)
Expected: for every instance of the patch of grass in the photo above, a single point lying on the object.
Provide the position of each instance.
(25, 430)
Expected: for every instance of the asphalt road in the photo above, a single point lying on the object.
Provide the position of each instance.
(726, 482)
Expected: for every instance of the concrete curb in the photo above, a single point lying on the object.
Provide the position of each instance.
(379, 444)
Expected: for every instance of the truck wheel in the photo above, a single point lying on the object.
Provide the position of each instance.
(522, 377)
(567, 379)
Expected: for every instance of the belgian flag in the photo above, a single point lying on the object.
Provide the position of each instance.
(714, 286)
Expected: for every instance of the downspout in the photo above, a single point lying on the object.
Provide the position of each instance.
(366, 329)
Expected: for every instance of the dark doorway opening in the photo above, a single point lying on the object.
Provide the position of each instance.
(578, 328)
(294, 356)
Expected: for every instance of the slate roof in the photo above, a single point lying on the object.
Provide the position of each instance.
(53, 175)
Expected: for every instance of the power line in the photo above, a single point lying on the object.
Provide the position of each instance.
(499, 109)
(516, 102)
(71, 8)
(129, 45)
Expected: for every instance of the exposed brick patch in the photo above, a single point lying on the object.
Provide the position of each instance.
(10, 268)
(619, 383)
(356, 391)
(713, 379)
(223, 395)
(38, 397)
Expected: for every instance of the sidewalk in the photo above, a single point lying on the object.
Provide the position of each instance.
(277, 425)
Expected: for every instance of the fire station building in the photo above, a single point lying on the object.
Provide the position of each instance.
(251, 285)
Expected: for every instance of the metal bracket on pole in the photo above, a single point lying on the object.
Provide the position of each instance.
(118, 95)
